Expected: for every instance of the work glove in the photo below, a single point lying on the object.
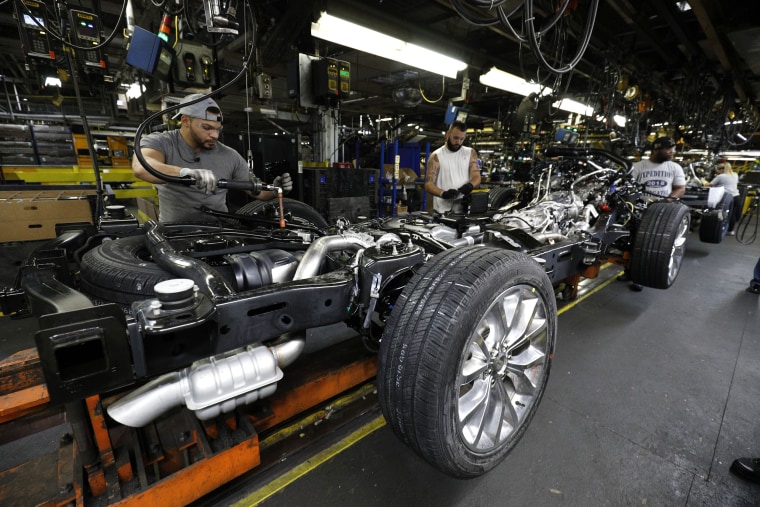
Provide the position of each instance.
(204, 178)
(451, 193)
(466, 189)
(285, 182)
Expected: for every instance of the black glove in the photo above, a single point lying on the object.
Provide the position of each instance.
(285, 182)
(450, 194)
(466, 189)
(204, 178)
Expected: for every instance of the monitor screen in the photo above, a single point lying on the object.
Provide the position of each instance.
(29, 21)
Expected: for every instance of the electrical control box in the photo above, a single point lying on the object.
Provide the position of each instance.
(264, 85)
(85, 32)
(32, 24)
(144, 50)
(193, 66)
(331, 79)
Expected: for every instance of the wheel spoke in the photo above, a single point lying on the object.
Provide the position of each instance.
(677, 252)
(526, 368)
(519, 312)
(471, 409)
(476, 364)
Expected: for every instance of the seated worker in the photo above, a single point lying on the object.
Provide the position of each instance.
(194, 150)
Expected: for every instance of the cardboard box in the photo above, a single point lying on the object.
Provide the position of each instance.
(33, 215)
(406, 176)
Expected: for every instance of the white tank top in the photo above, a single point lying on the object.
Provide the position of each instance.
(454, 172)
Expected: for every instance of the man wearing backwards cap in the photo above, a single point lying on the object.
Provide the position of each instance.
(189, 151)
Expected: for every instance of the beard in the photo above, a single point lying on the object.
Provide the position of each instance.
(451, 147)
(662, 157)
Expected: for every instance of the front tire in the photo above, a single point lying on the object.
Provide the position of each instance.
(465, 357)
(659, 246)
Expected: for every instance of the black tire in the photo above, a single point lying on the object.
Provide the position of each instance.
(121, 271)
(713, 224)
(659, 245)
(475, 326)
(300, 212)
(499, 196)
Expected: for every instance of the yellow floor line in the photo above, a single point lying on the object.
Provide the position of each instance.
(587, 294)
(304, 468)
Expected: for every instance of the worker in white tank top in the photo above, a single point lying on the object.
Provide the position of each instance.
(452, 171)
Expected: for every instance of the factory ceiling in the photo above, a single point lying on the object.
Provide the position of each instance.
(692, 66)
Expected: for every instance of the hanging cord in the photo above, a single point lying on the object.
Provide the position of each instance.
(534, 44)
(746, 234)
(151, 118)
(443, 91)
(249, 151)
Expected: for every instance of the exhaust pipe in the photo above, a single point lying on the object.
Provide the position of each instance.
(219, 384)
(209, 387)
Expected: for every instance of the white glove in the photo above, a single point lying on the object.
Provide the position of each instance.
(204, 178)
(285, 182)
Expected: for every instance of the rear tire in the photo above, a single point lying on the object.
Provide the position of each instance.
(659, 245)
(713, 225)
(465, 357)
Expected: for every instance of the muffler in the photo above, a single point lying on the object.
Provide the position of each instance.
(208, 387)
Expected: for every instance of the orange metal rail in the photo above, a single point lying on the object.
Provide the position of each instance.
(175, 460)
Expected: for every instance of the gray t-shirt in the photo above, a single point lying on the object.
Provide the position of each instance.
(658, 178)
(729, 182)
(181, 203)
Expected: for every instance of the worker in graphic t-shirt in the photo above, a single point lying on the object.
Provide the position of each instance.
(659, 174)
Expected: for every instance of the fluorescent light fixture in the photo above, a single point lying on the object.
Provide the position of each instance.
(497, 78)
(573, 106)
(355, 36)
(620, 121)
(52, 81)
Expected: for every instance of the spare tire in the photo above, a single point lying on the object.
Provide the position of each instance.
(121, 271)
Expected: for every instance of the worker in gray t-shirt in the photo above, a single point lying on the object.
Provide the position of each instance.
(194, 150)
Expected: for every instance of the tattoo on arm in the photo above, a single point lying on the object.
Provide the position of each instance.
(432, 170)
(474, 169)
